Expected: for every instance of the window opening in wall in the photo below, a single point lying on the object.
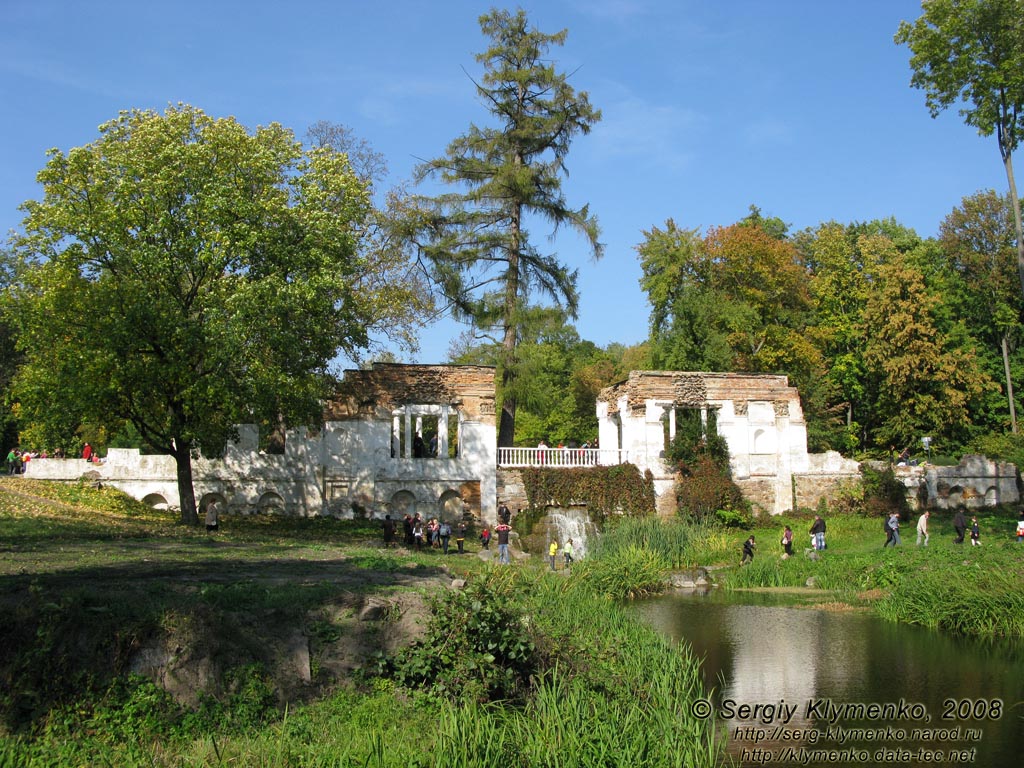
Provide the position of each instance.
(696, 432)
(431, 432)
(424, 432)
(398, 439)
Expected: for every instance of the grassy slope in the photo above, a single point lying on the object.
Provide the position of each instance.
(73, 557)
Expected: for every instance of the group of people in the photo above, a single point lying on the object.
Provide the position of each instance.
(892, 529)
(891, 525)
(436, 534)
(17, 458)
(433, 533)
(568, 552)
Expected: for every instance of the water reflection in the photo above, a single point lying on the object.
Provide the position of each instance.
(757, 651)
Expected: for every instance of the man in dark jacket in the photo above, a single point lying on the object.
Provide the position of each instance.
(818, 531)
(960, 526)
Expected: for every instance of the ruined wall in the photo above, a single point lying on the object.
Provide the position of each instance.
(758, 415)
(346, 467)
(974, 483)
(387, 386)
(511, 489)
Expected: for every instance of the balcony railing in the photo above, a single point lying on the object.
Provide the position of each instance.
(561, 457)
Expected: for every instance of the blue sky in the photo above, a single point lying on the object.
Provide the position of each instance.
(801, 107)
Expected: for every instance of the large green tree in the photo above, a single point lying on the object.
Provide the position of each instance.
(184, 275)
(923, 379)
(972, 52)
(735, 300)
(475, 240)
(977, 238)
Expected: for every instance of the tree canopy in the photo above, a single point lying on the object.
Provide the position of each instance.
(972, 52)
(183, 275)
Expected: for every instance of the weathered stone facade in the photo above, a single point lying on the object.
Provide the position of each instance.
(403, 438)
(364, 459)
(758, 415)
(974, 483)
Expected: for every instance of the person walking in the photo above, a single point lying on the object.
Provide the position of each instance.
(748, 550)
(444, 531)
(568, 552)
(552, 551)
(1020, 527)
(922, 528)
(485, 538)
(502, 531)
(960, 526)
(975, 533)
(212, 516)
(894, 526)
(787, 542)
(460, 537)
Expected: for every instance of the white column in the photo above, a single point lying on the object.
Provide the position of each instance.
(442, 433)
(408, 436)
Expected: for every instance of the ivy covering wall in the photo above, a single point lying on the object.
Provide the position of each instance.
(604, 490)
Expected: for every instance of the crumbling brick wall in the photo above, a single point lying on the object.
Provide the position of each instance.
(387, 386)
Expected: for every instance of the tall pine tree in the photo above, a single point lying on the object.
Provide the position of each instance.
(474, 241)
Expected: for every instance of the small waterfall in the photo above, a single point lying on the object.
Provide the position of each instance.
(573, 523)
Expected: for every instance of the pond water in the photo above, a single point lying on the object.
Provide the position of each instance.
(814, 672)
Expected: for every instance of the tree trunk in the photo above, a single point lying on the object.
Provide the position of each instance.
(1009, 383)
(1015, 202)
(186, 493)
(507, 422)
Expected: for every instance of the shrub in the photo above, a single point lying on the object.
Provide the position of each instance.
(704, 488)
(883, 493)
(477, 647)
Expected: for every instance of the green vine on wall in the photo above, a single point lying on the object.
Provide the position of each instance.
(605, 490)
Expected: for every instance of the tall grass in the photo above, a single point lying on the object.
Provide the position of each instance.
(982, 602)
(679, 543)
(616, 694)
(628, 572)
(566, 725)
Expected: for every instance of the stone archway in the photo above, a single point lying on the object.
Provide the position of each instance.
(155, 500)
(451, 505)
(208, 498)
(271, 503)
(403, 503)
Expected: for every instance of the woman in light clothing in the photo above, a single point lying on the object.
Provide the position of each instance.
(922, 529)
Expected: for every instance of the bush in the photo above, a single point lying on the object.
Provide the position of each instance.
(477, 647)
(883, 494)
(704, 488)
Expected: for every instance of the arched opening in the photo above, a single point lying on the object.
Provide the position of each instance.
(209, 498)
(156, 501)
(403, 503)
(451, 506)
(270, 503)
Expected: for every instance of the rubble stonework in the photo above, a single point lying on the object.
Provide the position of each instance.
(974, 483)
(362, 460)
(359, 462)
(759, 416)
